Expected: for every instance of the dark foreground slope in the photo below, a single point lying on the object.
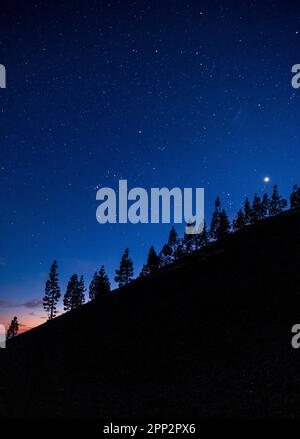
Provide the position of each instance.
(209, 337)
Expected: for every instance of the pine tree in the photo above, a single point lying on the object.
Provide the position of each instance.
(125, 273)
(224, 227)
(256, 209)
(247, 211)
(197, 241)
(239, 222)
(188, 243)
(52, 292)
(13, 328)
(203, 238)
(153, 260)
(165, 255)
(103, 282)
(78, 296)
(145, 271)
(295, 197)
(265, 205)
(277, 203)
(174, 244)
(179, 251)
(152, 265)
(100, 285)
(74, 296)
(71, 288)
(215, 220)
(93, 286)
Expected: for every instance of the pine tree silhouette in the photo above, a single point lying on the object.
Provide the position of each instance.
(188, 243)
(125, 273)
(144, 271)
(71, 287)
(215, 220)
(153, 261)
(265, 206)
(52, 292)
(295, 197)
(165, 255)
(224, 227)
(239, 222)
(256, 209)
(74, 296)
(277, 203)
(247, 211)
(152, 265)
(100, 285)
(78, 297)
(174, 244)
(13, 328)
(203, 238)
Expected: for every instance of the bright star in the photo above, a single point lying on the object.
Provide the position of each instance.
(266, 179)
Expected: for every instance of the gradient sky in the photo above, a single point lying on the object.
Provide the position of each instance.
(161, 93)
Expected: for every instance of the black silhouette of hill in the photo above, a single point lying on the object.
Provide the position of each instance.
(210, 336)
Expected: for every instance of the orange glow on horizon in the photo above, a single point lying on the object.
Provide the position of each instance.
(26, 322)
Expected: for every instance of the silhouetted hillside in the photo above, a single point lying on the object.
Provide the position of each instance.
(209, 336)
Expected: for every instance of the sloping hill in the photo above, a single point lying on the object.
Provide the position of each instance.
(208, 337)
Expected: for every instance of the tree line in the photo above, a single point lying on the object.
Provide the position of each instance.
(174, 249)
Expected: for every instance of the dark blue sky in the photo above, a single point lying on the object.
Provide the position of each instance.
(172, 93)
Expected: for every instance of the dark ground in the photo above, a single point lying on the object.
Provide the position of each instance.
(209, 337)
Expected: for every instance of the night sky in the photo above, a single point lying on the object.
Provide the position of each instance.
(161, 93)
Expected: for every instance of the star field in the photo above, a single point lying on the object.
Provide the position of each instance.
(188, 94)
